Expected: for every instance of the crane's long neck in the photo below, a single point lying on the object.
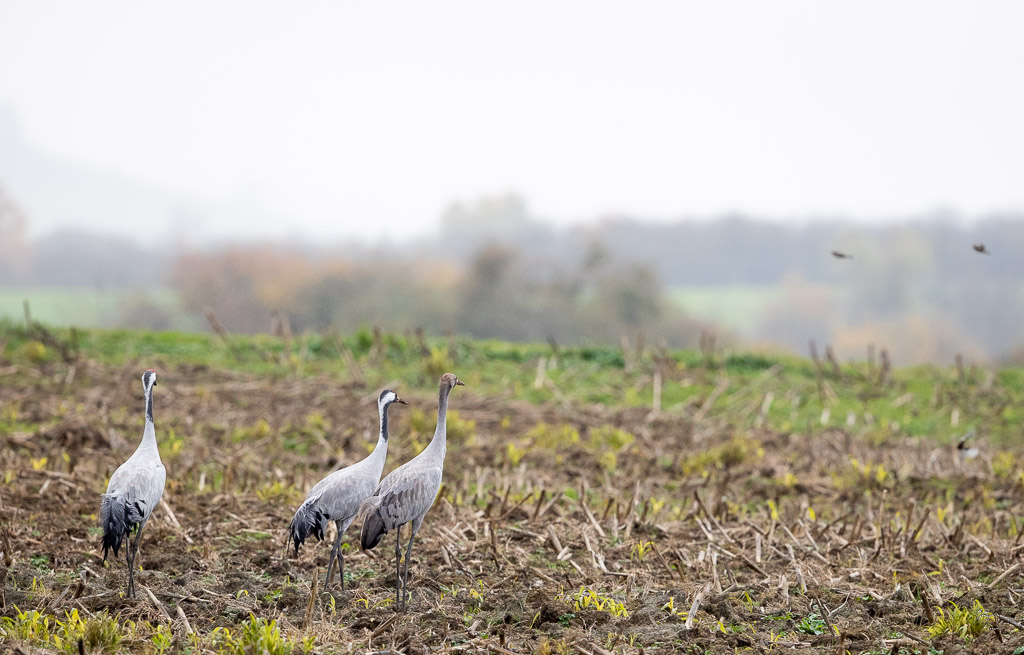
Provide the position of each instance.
(380, 451)
(383, 437)
(149, 434)
(438, 445)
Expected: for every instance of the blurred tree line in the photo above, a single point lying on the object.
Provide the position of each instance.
(916, 287)
(502, 293)
(496, 269)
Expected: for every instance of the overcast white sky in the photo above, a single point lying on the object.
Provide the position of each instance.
(344, 116)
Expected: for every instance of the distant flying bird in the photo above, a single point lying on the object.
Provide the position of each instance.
(980, 247)
(338, 496)
(134, 490)
(408, 492)
(841, 255)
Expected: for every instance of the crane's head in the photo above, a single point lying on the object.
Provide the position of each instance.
(387, 397)
(449, 381)
(148, 379)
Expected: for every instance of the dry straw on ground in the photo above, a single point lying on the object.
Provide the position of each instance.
(554, 531)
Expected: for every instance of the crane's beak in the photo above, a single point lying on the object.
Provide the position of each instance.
(399, 400)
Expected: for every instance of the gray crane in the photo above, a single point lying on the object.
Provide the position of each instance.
(134, 490)
(407, 493)
(338, 496)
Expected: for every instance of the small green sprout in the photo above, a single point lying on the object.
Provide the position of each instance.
(255, 635)
(963, 622)
(587, 598)
(640, 550)
(670, 607)
(812, 624)
(162, 638)
(514, 453)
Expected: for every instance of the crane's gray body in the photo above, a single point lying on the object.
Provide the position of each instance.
(408, 492)
(338, 496)
(136, 487)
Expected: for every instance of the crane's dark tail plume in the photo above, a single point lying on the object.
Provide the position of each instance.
(112, 518)
(118, 517)
(308, 520)
(373, 525)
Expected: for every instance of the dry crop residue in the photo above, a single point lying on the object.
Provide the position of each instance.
(559, 528)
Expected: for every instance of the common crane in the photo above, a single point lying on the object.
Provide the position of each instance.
(134, 490)
(338, 496)
(408, 492)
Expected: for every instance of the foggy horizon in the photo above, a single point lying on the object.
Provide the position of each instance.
(219, 230)
(351, 121)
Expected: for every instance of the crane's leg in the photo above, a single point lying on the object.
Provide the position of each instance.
(128, 561)
(341, 566)
(336, 554)
(131, 563)
(398, 566)
(342, 527)
(405, 578)
(330, 562)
